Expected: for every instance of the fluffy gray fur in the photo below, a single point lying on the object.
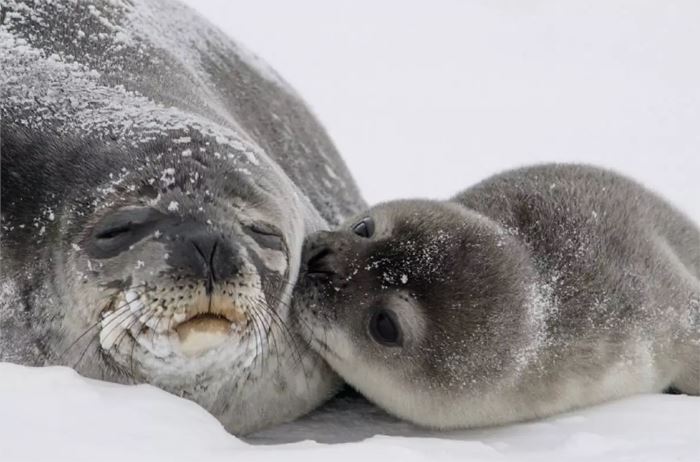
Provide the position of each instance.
(536, 291)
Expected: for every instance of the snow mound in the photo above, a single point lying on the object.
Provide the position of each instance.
(55, 414)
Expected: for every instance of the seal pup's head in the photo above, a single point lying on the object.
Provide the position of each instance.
(169, 264)
(417, 305)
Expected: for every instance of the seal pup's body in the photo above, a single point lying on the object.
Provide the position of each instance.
(536, 291)
(157, 185)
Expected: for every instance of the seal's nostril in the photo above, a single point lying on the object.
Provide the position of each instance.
(318, 255)
(320, 262)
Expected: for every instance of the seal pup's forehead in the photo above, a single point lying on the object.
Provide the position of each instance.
(416, 238)
(404, 217)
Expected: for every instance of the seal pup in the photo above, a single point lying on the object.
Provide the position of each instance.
(157, 183)
(534, 292)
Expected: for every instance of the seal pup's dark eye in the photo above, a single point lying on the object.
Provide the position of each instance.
(364, 228)
(384, 328)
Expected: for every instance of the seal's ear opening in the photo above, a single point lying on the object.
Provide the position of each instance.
(116, 232)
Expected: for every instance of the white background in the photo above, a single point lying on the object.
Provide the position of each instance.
(426, 98)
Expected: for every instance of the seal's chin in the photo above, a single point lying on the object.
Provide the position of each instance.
(202, 333)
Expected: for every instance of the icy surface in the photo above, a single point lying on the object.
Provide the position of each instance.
(54, 414)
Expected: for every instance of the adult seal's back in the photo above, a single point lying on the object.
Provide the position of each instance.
(157, 184)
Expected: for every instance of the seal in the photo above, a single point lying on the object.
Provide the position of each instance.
(157, 184)
(534, 292)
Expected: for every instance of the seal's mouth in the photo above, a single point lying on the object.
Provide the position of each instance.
(213, 308)
(207, 323)
(202, 332)
(191, 328)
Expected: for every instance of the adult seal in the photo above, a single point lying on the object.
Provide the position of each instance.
(536, 291)
(157, 184)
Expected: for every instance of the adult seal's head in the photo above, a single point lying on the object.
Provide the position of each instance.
(534, 292)
(157, 185)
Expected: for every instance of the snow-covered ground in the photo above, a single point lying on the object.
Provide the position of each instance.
(422, 100)
(53, 414)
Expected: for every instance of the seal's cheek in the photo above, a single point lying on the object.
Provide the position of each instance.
(142, 261)
(267, 247)
(273, 260)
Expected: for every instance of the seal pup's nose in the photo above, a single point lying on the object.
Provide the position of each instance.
(320, 256)
(320, 262)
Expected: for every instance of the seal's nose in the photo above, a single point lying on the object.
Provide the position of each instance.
(320, 262)
(207, 255)
(321, 256)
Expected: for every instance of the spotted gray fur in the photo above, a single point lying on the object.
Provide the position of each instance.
(141, 113)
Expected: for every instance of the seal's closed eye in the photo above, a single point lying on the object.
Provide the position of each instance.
(267, 236)
(364, 228)
(115, 231)
(121, 229)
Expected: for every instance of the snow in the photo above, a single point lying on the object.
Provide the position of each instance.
(54, 414)
(423, 99)
(59, 92)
